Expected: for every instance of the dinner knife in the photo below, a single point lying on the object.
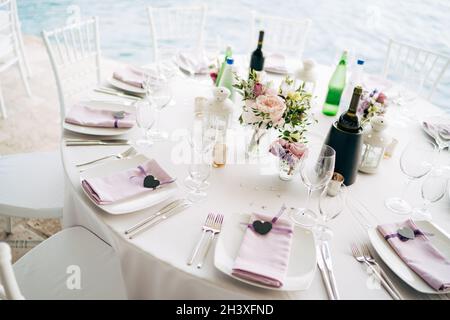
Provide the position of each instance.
(72, 144)
(163, 210)
(161, 218)
(329, 265)
(117, 93)
(325, 278)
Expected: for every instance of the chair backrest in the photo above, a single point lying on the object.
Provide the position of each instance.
(286, 36)
(8, 39)
(74, 52)
(407, 63)
(172, 27)
(7, 279)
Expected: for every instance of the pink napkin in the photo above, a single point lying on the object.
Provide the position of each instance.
(276, 63)
(90, 117)
(442, 128)
(264, 258)
(125, 184)
(419, 254)
(130, 75)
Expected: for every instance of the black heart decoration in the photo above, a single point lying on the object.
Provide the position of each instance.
(262, 227)
(151, 182)
(406, 234)
(119, 115)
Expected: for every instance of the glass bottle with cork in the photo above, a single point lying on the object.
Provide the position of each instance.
(345, 137)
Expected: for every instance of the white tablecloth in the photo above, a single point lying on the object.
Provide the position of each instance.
(154, 263)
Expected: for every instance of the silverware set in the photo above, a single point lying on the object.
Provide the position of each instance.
(93, 142)
(211, 228)
(166, 212)
(362, 254)
(325, 265)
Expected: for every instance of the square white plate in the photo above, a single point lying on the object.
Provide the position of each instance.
(302, 262)
(96, 131)
(439, 238)
(135, 203)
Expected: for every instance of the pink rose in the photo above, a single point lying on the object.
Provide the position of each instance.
(272, 105)
(381, 98)
(297, 149)
(258, 89)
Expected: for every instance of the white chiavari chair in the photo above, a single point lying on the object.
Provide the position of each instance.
(73, 264)
(281, 35)
(18, 27)
(74, 52)
(176, 28)
(420, 68)
(9, 47)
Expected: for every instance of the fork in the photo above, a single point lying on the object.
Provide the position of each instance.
(217, 226)
(361, 258)
(205, 228)
(369, 258)
(127, 153)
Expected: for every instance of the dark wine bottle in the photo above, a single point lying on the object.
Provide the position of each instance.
(257, 59)
(349, 121)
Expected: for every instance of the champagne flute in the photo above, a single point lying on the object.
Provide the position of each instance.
(415, 162)
(433, 189)
(145, 119)
(201, 139)
(331, 204)
(161, 94)
(316, 170)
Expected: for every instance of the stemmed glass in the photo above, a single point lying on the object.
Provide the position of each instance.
(316, 170)
(162, 95)
(415, 162)
(433, 189)
(145, 119)
(331, 204)
(201, 141)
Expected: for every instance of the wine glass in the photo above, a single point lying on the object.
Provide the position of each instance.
(331, 204)
(433, 189)
(145, 119)
(316, 170)
(415, 162)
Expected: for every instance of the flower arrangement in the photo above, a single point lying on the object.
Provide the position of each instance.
(373, 103)
(285, 110)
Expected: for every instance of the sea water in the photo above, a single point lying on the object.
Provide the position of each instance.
(361, 26)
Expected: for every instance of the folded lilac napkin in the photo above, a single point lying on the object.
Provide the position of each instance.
(441, 127)
(419, 254)
(125, 184)
(276, 63)
(264, 258)
(193, 61)
(91, 117)
(130, 75)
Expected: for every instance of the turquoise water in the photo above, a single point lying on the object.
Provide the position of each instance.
(361, 26)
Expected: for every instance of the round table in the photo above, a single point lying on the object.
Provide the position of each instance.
(154, 263)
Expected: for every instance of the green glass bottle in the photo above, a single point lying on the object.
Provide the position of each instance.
(336, 87)
(228, 54)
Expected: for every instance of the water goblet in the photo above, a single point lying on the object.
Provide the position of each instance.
(416, 161)
(433, 189)
(331, 204)
(316, 170)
